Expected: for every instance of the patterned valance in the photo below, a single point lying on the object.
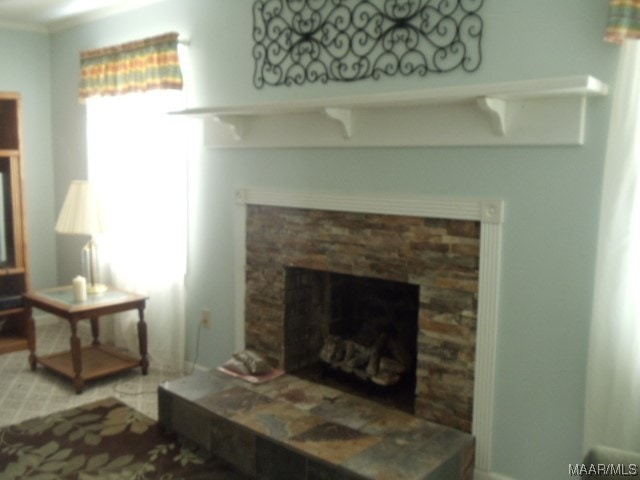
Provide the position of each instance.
(624, 20)
(139, 66)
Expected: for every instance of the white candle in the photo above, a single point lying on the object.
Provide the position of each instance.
(79, 289)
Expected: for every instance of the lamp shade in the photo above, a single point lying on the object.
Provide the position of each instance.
(81, 212)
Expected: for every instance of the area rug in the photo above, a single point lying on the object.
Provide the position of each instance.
(102, 440)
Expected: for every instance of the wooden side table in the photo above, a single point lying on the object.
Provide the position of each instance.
(81, 364)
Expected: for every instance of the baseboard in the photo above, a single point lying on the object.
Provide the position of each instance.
(482, 475)
(190, 367)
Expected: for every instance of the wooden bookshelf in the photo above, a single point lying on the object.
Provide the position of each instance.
(14, 271)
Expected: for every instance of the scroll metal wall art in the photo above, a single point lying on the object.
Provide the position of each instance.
(299, 41)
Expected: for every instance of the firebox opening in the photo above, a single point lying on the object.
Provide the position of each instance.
(357, 334)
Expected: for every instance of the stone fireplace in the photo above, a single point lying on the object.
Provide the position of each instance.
(440, 257)
(295, 249)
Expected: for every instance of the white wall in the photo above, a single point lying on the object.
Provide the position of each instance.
(25, 61)
(551, 193)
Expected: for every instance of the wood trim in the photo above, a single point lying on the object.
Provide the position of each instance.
(14, 275)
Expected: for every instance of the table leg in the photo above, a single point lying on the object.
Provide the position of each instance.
(76, 357)
(31, 338)
(142, 341)
(95, 331)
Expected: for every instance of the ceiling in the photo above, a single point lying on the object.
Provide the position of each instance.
(55, 14)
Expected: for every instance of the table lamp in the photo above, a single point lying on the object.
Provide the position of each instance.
(81, 214)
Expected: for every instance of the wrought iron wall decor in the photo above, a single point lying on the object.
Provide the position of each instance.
(299, 41)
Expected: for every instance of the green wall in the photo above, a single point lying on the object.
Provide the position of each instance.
(25, 61)
(551, 194)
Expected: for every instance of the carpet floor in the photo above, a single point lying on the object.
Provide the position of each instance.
(25, 394)
(105, 439)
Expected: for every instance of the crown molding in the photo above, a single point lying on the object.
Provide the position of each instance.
(86, 17)
(73, 20)
(24, 26)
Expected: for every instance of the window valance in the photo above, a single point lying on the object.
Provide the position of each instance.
(138, 66)
(624, 20)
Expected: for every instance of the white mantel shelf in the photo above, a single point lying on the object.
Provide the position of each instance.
(548, 111)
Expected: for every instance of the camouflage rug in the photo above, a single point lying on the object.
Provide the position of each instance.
(101, 440)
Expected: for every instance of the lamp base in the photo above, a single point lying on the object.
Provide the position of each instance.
(97, 288)
(91, 268)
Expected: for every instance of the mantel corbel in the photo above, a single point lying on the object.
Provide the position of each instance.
(344, 117)
(235, 124)
(496, 110)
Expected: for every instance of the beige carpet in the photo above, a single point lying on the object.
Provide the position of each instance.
(25, 394)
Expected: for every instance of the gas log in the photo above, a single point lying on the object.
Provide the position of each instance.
(382, 363)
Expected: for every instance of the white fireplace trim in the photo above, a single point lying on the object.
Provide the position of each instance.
(490, 214)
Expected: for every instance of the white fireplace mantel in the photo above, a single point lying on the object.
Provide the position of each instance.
(549, 111)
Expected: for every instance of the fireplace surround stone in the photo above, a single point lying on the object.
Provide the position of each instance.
(441, 256)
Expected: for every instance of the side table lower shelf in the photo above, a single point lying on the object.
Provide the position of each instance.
(13, 343)
(97, 361)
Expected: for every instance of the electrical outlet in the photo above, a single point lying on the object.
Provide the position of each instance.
(206, 317)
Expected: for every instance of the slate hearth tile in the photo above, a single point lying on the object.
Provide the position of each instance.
(232, 402)
(275, 462)
(274, 386)
(422, 441)
(388, 461)
(286, 386)
(235, 445)
(197, 385)
(321, 471)
(415, 433)
(279, 421)
(414, 453)
(447, 443)
(333, 442)
(391, 421)
(352, 411)
(299, 392)
(329, 432)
